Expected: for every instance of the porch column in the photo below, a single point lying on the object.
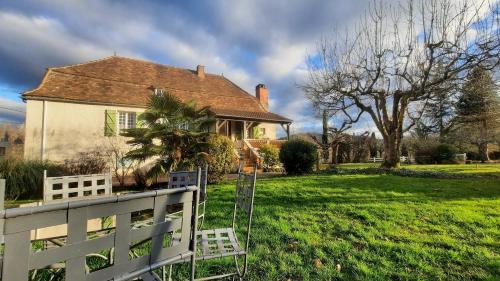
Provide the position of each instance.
(286, 127)
(244, 129)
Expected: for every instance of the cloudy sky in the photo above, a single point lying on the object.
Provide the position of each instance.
(250, 42)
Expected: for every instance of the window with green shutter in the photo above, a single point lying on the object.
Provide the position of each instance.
(110, 123)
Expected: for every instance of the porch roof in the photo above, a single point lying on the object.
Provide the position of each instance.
(267, 117)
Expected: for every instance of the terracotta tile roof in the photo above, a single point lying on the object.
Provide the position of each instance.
(128, 82)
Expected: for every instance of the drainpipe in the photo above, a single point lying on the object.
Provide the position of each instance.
(44, 129)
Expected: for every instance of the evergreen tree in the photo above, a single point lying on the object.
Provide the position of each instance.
(478, 110)
(440, 113)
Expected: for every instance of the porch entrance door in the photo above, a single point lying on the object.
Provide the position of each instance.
(238, 130)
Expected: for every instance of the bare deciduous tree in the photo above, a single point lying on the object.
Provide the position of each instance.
(121, 167)
(332, 135)
(393, 62)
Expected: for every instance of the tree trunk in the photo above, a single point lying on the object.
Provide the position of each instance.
(335, 152)
(483, 144)
(391, 151)
(483, 152)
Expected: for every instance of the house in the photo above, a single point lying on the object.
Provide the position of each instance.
(11, 146)
(82, 107)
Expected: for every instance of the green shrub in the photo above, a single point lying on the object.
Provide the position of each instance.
(435, 153)
(24, 178)
(270, 157)
(221, 158)
(495, 155)
(298, 156)
(445, 154)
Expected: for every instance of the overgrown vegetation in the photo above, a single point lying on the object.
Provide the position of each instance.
(221, 157)
(270, 157)
(24, 178)
(298, 156)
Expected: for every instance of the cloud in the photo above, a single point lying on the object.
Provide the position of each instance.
(11, 110)
(30, 44)
(250, 42)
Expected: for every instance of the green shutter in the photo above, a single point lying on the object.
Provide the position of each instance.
(110, 123)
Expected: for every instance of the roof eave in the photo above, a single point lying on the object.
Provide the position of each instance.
(267, 120)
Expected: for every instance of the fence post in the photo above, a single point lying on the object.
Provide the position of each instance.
(2, 206)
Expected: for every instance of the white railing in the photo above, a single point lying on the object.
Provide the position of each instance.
(380, 159)
(461, 156)
(72, 187)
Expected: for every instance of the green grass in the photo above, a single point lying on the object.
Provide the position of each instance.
(483, 169)
(372, 227)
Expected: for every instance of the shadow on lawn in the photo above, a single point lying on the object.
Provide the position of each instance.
(344, 216)
(323, 190)
(320, 190)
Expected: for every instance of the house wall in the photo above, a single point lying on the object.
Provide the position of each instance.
(71, 128)
(270, 130)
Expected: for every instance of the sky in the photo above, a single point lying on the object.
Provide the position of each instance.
(250, 42)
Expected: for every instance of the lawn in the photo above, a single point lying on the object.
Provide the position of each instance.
(483, 169)
(367, 227)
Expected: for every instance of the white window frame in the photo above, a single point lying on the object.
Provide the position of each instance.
(183, 126)
(262, 131)
(127, 124)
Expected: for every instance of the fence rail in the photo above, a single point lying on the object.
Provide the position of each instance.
(380, 159)
(68, 187)
(20, 260)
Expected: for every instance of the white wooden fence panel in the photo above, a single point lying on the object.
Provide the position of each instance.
(76, 187)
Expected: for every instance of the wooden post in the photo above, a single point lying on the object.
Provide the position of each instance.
(2, 206)
(244, 129)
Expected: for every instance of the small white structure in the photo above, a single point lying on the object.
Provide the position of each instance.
(462, 157)
(72, 187)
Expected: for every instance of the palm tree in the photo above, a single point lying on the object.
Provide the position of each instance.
(171, 132)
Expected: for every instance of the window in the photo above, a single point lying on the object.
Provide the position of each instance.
(262, 131)
(183, 126)
(126, 120)
(2, 151)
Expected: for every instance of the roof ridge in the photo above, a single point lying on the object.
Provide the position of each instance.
(133, 59)
(82, 63)
(168, 66)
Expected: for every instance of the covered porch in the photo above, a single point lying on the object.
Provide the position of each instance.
(250, 129)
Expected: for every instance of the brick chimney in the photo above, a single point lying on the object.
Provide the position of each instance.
(200, 71)
(262, 94)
